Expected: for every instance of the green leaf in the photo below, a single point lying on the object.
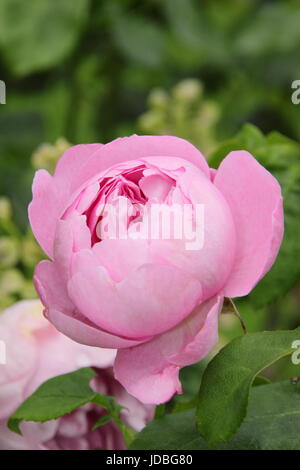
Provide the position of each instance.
(102, 421)
(173, 431)
(248, 138)
(272, 423)
(108, 403)
(64, 394)
(259, 380)
(226, 382)
(273, 420)
(54, 398)
(281, 156)
(160, 411)
(40, 35)
(127, 433)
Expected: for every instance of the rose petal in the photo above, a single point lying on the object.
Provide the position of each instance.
(61, 313)
(71, 235)
(44, 209)
(137, 147)
(50, 286)
(150, 300)
(82, 331)
(254, 197)
(149, 372)
(70, 164)
(210, 254)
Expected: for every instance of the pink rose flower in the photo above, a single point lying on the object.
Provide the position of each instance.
(154, 300)
(35, 352)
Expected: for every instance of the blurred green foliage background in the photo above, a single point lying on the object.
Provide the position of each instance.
(94, 70)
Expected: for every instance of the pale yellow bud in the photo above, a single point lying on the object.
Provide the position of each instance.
(188, 90)
(47, 155)
(5, 208)
(158, 99)
(9, 252)
(11, 281)
(151, 121)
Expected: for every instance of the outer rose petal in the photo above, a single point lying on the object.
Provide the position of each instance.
(44, 209)
(135, 148)
(71, 235)
(61, 313)
(51, 193)
(50, 287)
(150, 371)
(254, 197)
(81, 330)
(73, 159)
(150, 300)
